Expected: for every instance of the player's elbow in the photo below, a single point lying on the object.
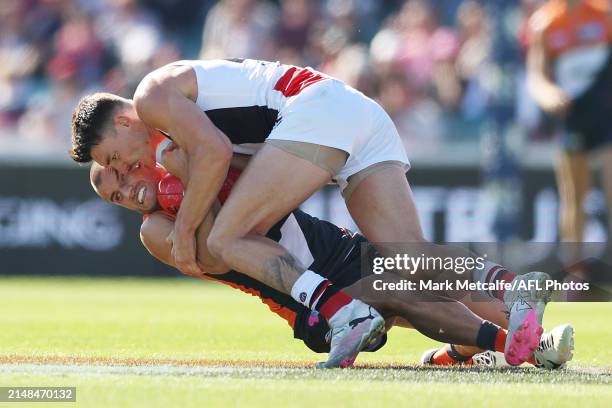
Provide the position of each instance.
(204, 160)
(145, 233)
(154, 243)
(226, 151)
(217, 152)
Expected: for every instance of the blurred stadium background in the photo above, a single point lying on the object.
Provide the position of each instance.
(450, 72)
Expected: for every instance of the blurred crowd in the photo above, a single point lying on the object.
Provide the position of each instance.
(424, 61)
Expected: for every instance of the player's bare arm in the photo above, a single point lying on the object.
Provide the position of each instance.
(165, 100)
(156, 227)
(541, 85)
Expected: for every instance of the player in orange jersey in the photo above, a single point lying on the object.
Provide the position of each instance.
(331, 251)
(570, 77)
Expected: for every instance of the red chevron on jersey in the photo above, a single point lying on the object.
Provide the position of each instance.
(295, 80)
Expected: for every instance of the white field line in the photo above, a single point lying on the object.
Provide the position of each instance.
(216, 370)
(151, 370)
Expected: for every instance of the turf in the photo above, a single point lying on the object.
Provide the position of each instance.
(184, 342)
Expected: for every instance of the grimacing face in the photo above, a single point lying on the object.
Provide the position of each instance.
(136, 190)
(125, 146)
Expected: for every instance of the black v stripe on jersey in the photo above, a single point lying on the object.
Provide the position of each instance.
(245, 124)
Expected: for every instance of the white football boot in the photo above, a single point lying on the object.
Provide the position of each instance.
(556, 348)
(353, 328)
(489, 359)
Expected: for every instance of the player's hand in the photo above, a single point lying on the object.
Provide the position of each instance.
(184, 252)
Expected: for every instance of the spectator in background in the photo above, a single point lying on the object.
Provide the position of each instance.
(422, 42)
(293, 30)
(412, 45)
(21, 56)
(45, 118)
(239, 29)
(74, 60)
(352, 65)
(359, 17)
(528, 113)
(473, 27)
(459, 75)
(53, 50)
(133, 35)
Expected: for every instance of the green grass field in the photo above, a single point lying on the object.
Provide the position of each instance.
(184, 342)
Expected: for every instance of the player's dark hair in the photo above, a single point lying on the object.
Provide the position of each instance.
(89, 119)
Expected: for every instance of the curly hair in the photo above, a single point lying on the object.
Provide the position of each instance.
(89, 119)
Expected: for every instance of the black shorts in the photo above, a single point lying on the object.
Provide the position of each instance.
(587, 125)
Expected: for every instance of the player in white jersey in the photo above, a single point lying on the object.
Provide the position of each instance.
(314, 129)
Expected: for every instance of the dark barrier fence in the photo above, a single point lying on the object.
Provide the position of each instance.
(51, 222)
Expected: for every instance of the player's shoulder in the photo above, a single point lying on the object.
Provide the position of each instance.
(178, 75)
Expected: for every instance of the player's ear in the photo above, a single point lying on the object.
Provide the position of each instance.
(121, 120)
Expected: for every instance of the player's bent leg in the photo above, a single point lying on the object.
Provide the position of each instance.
(274, 183)
(493, 310)
(434, 316)
(384, 197)
(383, 207)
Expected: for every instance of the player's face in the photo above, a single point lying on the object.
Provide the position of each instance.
(126, 148)
(136, 190)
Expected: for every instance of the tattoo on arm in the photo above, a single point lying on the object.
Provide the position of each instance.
(282, 271)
